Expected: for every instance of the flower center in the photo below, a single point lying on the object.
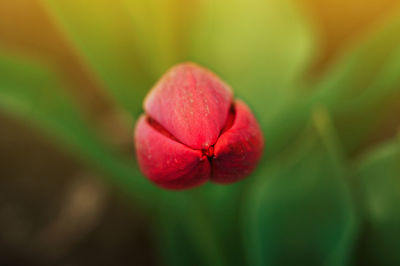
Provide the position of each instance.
(209, 152)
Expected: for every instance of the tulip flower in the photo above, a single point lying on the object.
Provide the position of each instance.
(193, 130)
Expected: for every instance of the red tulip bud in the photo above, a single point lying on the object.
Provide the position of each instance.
(194, 131)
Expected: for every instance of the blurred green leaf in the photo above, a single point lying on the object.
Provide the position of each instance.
(259, 47)
(299, 210)
(223, 205)
(186, 227)
(175, 243)
(362, 82)
(160, 28)
(378, 179)
(205, 223)
(364, 67)
(28, 91)
(352, 90)
(101, 32)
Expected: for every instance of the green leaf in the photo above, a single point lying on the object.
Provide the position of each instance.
(363, 81)
(174, 239)
(187, 232)
(352, 90)
(203, 222)
(223, 206)
(378, 180)
(298, 210)
(101, 32)
(31, 93)
(160, 28)
(259, 47)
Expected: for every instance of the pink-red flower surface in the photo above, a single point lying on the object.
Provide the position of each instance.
(193, 131)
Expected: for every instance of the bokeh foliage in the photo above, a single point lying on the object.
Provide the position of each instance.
(322, 195)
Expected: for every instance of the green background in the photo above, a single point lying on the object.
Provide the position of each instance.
(328, 187)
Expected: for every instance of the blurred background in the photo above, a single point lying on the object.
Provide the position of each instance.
(322, 77)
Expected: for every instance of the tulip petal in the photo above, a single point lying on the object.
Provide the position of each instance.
(191, 103)
(239, 148)
(167, 162)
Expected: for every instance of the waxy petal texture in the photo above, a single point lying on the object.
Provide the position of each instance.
(194, 131)
(167, 162)
(239, 148)
(191, 103)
